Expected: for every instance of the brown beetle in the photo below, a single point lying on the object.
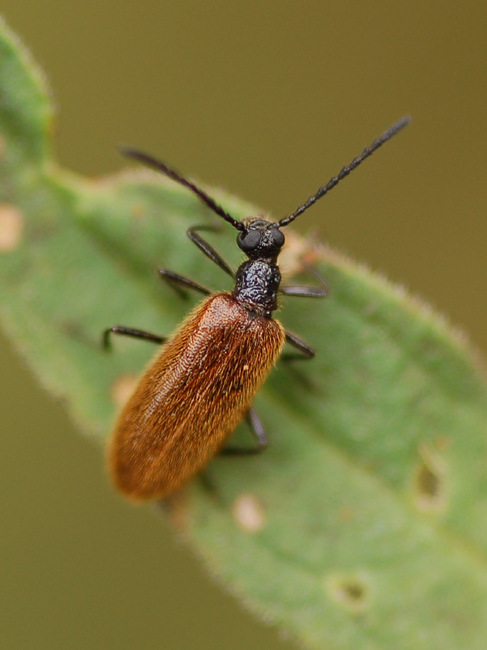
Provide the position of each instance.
(202, 384)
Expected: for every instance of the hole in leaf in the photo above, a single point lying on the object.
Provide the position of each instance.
(430, 481)
(351, 591)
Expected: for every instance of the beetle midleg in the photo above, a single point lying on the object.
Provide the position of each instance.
(308, 291)
(175, 281)
(129, 331)
(304, 291)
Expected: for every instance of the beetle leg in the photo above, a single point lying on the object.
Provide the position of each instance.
(308, 291)
(257, 429)
(128, 331)
(176, 281)
(208, 250)
(305, 351)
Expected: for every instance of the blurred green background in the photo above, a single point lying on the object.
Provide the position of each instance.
(267, 99)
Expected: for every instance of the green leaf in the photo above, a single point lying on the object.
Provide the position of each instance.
(365, 524)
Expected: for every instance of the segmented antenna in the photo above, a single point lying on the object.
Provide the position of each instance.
(158, 165)
(368, 151)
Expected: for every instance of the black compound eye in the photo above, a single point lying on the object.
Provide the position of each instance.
(278, 238)
(248, 240)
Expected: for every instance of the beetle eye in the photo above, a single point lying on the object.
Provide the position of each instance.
(278, 238)
(248, 240)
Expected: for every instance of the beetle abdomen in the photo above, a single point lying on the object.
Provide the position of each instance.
(192, 397)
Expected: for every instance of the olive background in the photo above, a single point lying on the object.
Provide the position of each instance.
(269, 100)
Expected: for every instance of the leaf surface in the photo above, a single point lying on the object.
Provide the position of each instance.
(365, 524)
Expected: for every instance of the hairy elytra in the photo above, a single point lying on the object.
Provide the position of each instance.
(202, 384)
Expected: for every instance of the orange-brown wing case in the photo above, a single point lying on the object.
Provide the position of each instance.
(192, 397)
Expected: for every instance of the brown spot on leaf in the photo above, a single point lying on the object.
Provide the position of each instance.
(11, 227)
(346, 513)
(138, 210)
(443, 443)
(297, 250)
(122, 389)
(249, 513)
(176, 508)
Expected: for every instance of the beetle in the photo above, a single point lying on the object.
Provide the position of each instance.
(202, 384)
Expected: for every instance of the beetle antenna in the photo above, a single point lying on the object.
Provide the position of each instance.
(158, 165)
(368, 151)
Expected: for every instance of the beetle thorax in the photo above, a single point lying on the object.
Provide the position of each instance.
(258, 279)
(257, 286)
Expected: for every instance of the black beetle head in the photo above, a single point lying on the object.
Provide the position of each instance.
(260, 238)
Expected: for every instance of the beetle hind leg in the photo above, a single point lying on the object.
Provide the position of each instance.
(257, 430)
